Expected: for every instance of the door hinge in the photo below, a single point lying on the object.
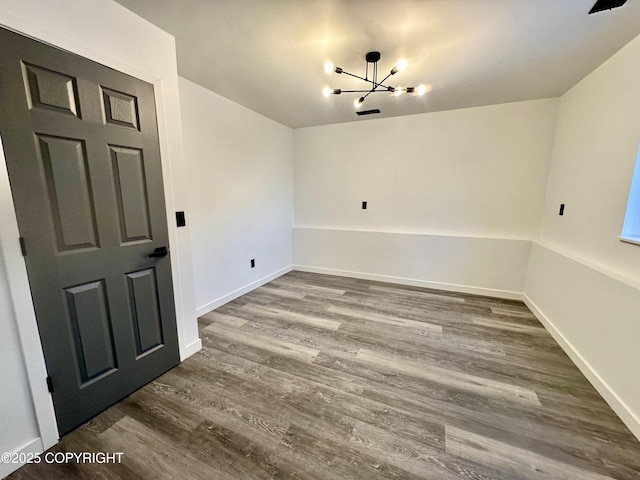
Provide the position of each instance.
(23, 247)
(49, 384)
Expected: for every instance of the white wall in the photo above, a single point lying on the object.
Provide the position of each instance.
(474, 176)
(105, 32)
(594, 155)
(240, 168)
(583, 282)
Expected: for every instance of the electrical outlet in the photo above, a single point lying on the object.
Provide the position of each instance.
(561, 209)
(253, 263)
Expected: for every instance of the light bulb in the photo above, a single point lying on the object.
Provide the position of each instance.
(401, 65)
(328, 67)
(326, 91)
(398, 91)
(358, 101)
(422, 89)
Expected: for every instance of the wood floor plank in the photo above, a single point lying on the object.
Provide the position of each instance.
(222, 319)
(306, 289)
(421, 294)
(223, 410)
(482, 386)
(513, 311)
(392, 449)
(151, 455)
(280, 292)
(521, 463)
(386, 319)
(510, 326)
(275, 312)
(243, 458)
(430, 307)
(190, 438)
(351, 464)
(299, 352)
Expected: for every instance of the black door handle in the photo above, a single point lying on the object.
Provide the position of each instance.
(159, 252)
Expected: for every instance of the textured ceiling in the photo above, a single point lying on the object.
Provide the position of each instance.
(268, 55)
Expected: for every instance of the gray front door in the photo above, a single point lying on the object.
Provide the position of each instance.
(82, 151)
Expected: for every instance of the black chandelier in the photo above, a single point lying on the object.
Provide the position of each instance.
(376, 86)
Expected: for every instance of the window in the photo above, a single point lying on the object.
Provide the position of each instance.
(631, 227)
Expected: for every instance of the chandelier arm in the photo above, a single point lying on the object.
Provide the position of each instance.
(357, 76)
(384, 79)
(365, 91)
(370, 92)
(382, 85)
(359, 91)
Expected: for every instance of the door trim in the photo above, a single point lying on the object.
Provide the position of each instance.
(162, 74)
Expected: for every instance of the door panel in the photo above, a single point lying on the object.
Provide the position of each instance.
(52, 90)
(90, 320)
(120, 108)
(143, 294)
(83, 157)
(131, 193)
(66, 174)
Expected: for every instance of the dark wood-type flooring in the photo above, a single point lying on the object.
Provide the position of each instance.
(320, 377)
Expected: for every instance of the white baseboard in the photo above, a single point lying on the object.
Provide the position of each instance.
(34, 446)
(615, 402)
(190, 349)
(489, 292)
(241, 291)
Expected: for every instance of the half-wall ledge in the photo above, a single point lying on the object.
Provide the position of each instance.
(630, 239)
